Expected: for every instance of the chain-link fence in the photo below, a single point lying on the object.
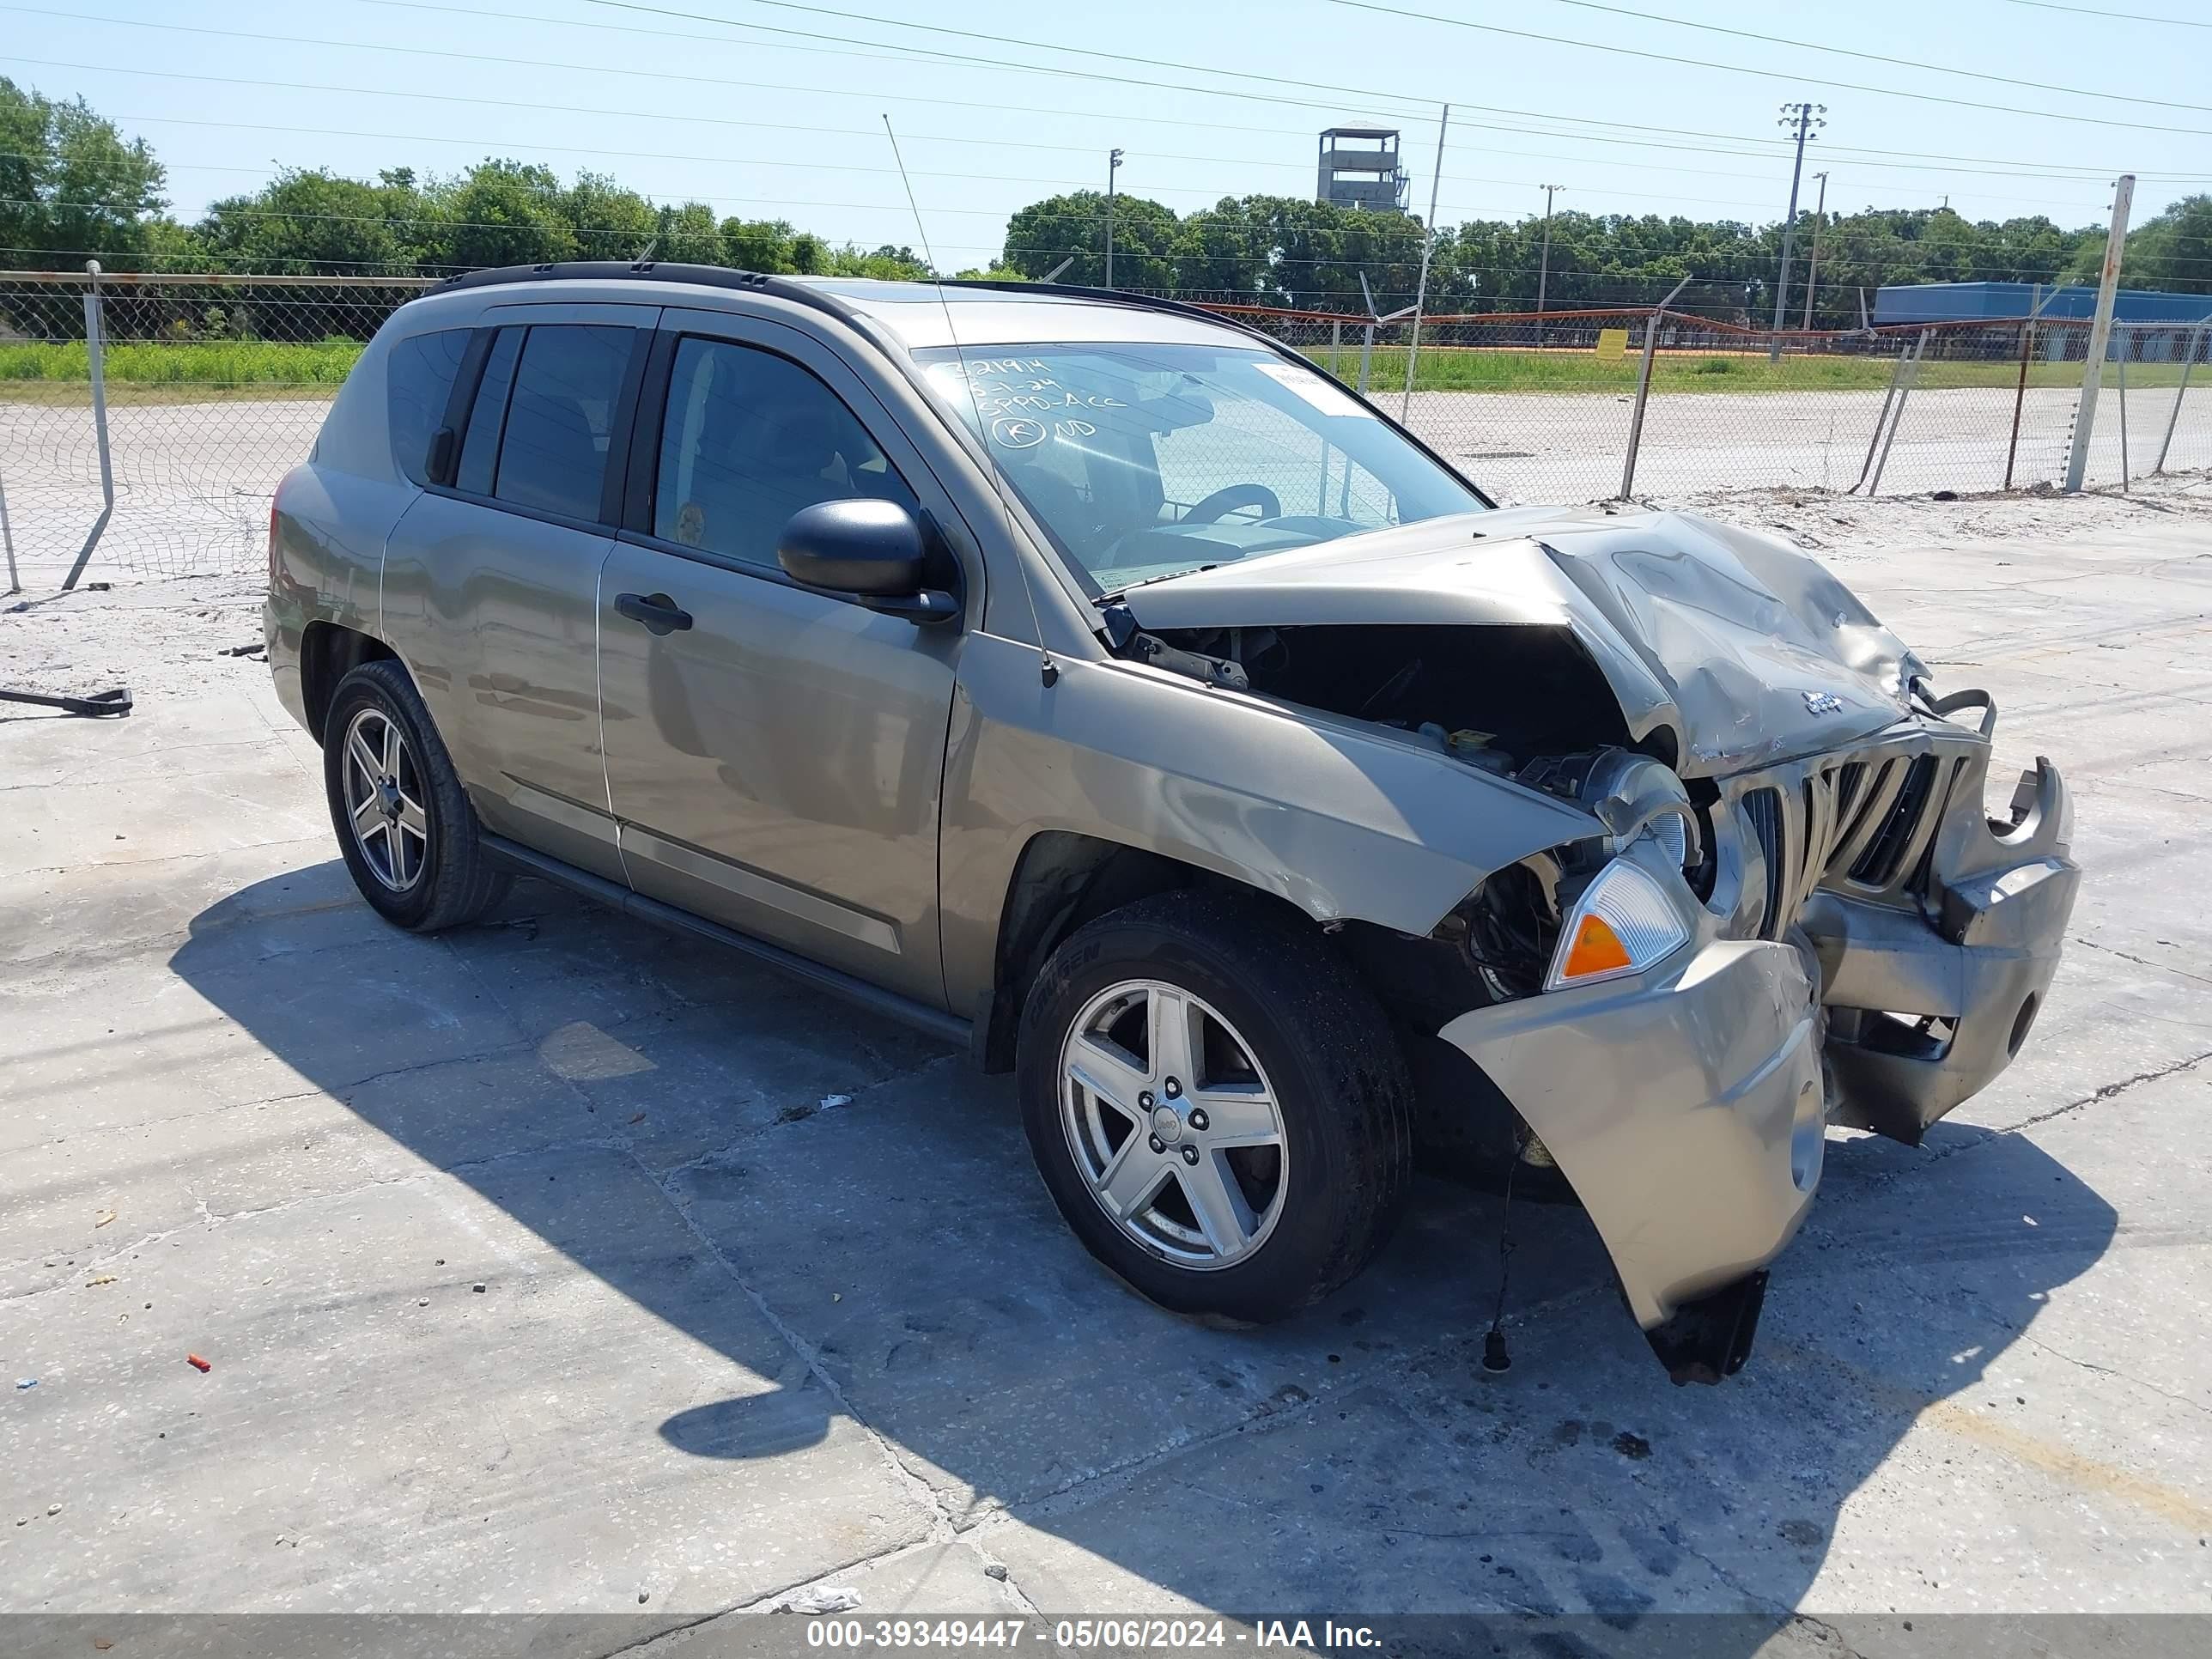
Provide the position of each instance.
(147, 419)
(1580, 405)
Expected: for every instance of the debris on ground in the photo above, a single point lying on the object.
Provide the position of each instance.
(105, 1216)
(104, 1278)
(995, 1569)
(479, 1287)
(801, 1112)
(1632, 1445)
(820, 1599)
(22, 1382)
(197, 1363)
(254, 649)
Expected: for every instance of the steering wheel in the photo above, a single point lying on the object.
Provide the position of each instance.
(1209, 510)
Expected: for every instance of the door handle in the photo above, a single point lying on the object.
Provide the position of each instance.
(659, 613)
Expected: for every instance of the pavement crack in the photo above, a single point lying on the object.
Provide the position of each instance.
(2142, 961)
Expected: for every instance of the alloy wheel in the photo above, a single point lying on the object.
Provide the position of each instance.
(384, 795)
(1173, 1124)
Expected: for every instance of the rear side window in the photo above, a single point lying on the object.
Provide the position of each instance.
(418, 378)
(480, 445)
(560, 420)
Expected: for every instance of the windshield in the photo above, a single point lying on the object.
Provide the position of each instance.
(1145, 461)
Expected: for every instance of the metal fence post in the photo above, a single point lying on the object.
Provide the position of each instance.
(1421, 288)
(1643, 388)
(94, 347)
(2020, 393)
(1335, 346)
(1904, 391)
(2101, 332)
(2124, 418)
(1881, 416)
(2188, 365)
(7, 539)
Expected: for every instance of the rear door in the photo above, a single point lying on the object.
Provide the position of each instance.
(492, 578)
(774, 755)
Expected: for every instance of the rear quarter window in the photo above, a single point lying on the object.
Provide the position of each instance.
(418, 376)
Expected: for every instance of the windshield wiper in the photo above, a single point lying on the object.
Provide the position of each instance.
(1164, 576)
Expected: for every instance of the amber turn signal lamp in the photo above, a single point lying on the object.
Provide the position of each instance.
(1596, 949)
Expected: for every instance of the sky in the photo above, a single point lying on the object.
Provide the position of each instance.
(775, 111)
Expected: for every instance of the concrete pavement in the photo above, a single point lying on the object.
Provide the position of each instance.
(553, 1264)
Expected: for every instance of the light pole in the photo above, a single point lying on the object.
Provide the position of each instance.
(1805, 117)
(1113, 162)
(1812, 269)
(1544, 264)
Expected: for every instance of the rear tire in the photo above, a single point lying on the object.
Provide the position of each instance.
(1271, 1175)
(410, 837)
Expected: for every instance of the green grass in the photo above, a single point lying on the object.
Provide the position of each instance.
(228, 370)
(188, 371)
(1452, 368)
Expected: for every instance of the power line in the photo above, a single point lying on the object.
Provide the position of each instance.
(1768, 75)
(966, 60)
(1870, 57)
(2065, 169)
(2124, 17)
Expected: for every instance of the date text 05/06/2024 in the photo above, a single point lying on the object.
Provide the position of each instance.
(1118, 1635)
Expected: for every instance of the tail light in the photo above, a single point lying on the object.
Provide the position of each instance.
(272, 540)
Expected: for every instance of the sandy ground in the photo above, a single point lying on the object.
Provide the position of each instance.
(549, 1266)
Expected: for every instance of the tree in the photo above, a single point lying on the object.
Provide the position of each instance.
(689, 235)
(498, 213)
(1041, 234)
(2172, 251)
(608, 221)
(71, 187)
(757, 244)
(318, 224)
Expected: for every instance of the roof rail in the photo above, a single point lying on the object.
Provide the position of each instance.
(659, 271)
(1112, 296)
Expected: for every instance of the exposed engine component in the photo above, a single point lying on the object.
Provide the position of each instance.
(1497, 696)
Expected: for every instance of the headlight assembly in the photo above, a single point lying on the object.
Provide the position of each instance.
(1622, 924)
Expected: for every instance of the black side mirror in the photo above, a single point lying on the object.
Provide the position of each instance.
(870, 549)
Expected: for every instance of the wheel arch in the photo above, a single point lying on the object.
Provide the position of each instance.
(329, 651)
(1062, 879)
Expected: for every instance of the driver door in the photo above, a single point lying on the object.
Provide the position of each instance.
(774, 753)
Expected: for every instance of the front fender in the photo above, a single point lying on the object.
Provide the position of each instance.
(1343, 823)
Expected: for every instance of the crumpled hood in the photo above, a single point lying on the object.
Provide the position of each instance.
(1747, 650)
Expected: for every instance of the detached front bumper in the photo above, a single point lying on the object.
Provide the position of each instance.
(1685, 1107)
(1866, 913)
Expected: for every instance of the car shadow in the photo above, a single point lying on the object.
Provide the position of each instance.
(869, 1196)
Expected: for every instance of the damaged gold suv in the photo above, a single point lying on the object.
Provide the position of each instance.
(1092, 682)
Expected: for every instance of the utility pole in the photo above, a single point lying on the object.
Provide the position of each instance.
(1113, 162)
(1805, 117)
(2100, 331)
(1812, 269)
(1544, 265)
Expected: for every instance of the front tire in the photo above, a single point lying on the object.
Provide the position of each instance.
(1217, 1105)
(409, 836)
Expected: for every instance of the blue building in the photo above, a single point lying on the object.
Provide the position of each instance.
(1964, 302)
